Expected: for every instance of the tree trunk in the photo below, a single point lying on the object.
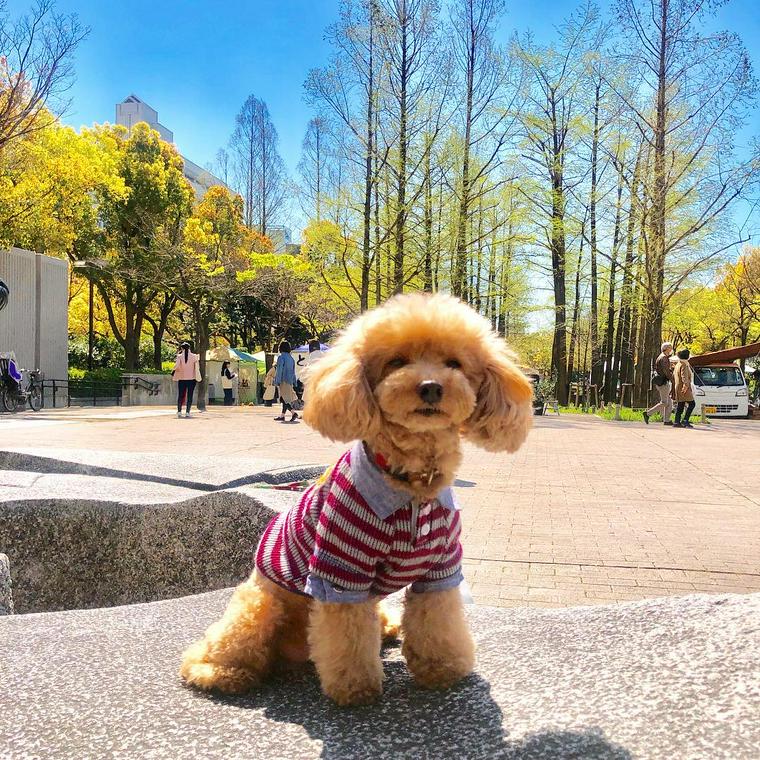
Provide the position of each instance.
(159, 328)
(367, 217)
(460, 260)
(596, 356)
(398, 254)
(428, 222)
(654, 306)
(623, 347)
(377, 253)
(479, 262)
(491, 294)
(576, 312)
(559, 344)
(202, 344)
(610, 387)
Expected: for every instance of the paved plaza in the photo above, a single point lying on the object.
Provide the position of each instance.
(587, 512)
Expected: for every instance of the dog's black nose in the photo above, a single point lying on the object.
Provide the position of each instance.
(430, 391)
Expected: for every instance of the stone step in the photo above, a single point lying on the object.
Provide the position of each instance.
(664, 678)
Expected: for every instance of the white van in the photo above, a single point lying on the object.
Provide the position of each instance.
(721, 389)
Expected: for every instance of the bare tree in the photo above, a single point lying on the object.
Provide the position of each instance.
(348, 89)
(222, 165)
(694, 89)
(555, 87)
(313, 167)
(487, 113)
(259, 168)
(36, 67)
(416, 94)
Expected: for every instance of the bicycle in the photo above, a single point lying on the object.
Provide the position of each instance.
(13, 396)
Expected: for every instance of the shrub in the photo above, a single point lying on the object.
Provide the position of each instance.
(99, 375)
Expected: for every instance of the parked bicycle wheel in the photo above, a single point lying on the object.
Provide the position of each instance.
(7, 402)
(35, 398)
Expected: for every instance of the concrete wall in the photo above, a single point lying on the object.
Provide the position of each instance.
(35, 323)
(166, 396)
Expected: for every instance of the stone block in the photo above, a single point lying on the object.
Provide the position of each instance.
(6, 597)
(664, 678)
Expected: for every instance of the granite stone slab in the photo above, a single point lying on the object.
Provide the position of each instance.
(76, 551)
(6, 597)
(673, 678)
(90, 529)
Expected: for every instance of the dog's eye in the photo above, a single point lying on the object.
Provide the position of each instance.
(397, 362)
(453, 364)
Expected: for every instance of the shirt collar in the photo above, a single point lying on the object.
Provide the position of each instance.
(381, 497)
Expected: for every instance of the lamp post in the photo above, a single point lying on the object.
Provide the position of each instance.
(88, 266)
(90, 329)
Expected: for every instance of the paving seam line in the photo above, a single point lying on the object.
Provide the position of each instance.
(698, 469)
(622, 567)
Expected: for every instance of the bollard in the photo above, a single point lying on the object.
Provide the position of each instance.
(704, 414)
(617, 413)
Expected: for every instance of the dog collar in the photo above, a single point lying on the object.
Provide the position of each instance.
(412, 478)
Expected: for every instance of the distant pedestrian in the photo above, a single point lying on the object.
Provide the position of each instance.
(285, 380)
(227, 378)
(683, 377)
(270, 389)
(662, 381)
(315, 353)
(186, 374)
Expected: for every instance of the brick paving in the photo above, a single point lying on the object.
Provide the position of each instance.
(587, 512)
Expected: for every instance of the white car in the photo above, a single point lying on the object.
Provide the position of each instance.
(722, 390)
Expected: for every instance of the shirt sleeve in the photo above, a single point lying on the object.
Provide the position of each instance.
(278, 373)
(447, 572)
(347, 548)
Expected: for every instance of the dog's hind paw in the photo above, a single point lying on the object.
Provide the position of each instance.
(390, 623)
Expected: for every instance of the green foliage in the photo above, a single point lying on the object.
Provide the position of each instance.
(100, 375)
(544, 390)
(108, 354)
(626, 414)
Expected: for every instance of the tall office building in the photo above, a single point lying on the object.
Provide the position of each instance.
(133, 110)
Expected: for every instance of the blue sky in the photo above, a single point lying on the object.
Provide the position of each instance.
(196, 61)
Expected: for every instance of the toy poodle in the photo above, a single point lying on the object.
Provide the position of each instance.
(405, 381)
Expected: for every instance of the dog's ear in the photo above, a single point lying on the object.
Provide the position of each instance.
(338, 400)
(503, 413)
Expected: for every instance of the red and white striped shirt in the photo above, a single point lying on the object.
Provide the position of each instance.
(352, 535)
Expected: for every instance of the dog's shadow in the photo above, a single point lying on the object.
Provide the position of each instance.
(463, 722)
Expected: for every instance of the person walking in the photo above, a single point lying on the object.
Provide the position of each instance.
(270, 389)
(285, 380)
(683, 377)
(662, 380)
(227, 378)
(186, 374)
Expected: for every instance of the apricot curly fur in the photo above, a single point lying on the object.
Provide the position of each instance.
(437, 644)
(367, 387)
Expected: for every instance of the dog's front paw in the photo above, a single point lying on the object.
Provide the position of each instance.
(355, 688)
(199, 671)
(437, 673)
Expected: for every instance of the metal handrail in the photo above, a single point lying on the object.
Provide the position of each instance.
(141, 383)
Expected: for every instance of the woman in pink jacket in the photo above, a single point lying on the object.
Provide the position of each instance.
(185, 373)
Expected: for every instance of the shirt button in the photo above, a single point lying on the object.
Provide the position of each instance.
(424, 530)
